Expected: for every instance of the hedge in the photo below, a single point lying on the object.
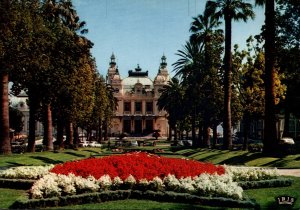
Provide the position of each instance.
(99, 197)
(23, 184)
(278, 182)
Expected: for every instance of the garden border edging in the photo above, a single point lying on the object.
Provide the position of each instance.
(98, 197)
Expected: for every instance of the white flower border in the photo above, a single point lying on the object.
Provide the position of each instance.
(26, 172)
(204, 185)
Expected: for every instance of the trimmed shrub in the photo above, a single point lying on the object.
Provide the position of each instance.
(23, 184)
(279, 182)
(129, 194)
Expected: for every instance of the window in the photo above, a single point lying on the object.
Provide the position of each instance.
(149, 107)
(138, 106)
(127, 106)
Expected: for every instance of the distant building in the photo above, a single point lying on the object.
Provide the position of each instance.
(20, 102)
(137, 113)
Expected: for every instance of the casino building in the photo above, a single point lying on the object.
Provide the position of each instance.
(137, 113)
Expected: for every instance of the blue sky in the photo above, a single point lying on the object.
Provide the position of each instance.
(141, 31)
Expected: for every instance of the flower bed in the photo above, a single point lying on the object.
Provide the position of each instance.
(140, 165)
(139, 171)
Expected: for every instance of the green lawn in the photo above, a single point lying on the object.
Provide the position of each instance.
(207, 155)
(240, 158)
(265, 197)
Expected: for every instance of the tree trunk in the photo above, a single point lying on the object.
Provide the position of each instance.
(200, 134)
(286, 132)
(48, 133)
(227, 85)
(206, 135)
(170, 132)
(105, 131)
(194, 129)
(5, 147)
(100, 131)
(76, 136)
(60, 133)
(32, 122)
(215, 135)
(175, 135)
(69, 134)
(246, 132)
(270, 134)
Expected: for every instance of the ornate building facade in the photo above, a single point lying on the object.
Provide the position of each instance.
(137, 113)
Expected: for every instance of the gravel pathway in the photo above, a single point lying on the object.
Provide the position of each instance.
(289, 172)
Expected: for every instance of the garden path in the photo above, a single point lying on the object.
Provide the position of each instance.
(289, 172)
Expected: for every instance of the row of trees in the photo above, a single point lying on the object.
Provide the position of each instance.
(251, 82)
(43, 52)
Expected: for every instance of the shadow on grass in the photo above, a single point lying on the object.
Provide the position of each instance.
(205, 151)
(298, 158)
(13, 164)
(241, 159)
(46, 160)
(75, 154)
(207, 158)
(89, 150)
(277, 163)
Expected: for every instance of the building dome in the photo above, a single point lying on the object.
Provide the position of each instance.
(160, 79)
(116, 77)
(131, 81)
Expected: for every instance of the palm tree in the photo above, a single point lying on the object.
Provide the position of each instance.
(188, 67)
(228, 10)
(171, 100)
(203, 29)
(270, 133)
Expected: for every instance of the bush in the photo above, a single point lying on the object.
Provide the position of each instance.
(129, 194)
(279, 182)
(23, 184)
(255, 147)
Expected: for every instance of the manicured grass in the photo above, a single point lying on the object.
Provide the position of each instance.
(266, 197)
(206, 155)
(8, 197)
(44, 158)
(137, 204)
(240, 158)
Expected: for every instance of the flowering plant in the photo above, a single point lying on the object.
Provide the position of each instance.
(138, 164)
(240, 173)
(26, 172)
(203, 185)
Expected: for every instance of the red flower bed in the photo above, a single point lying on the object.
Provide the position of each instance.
(139, 164)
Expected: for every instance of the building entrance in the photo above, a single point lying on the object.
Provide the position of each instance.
(138, 127)
(149, 126)
(127, 126)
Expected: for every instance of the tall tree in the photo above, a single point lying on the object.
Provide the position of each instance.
(15, 36)
(205, 33)
(228, 10)
(270, 131)
(171, 99)
(188, 68)
(288, 33)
